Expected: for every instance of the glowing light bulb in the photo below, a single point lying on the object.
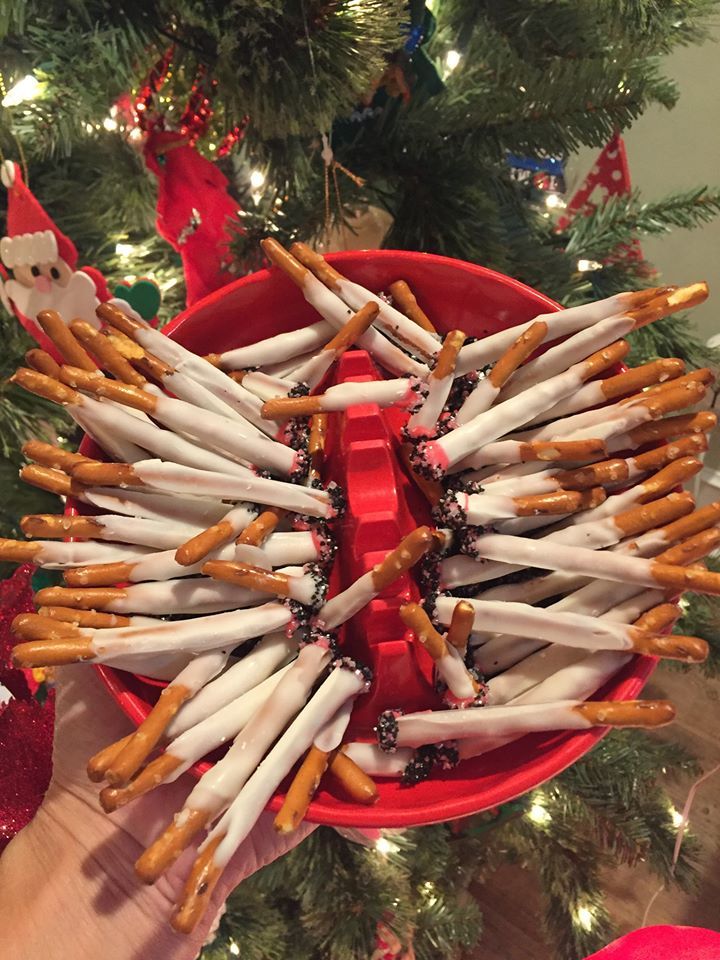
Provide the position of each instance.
(234, 949)
(584, 918)
(677, 818)
(452, 59)
(257, 179)
(135, 134)
(553, 200)
(109, 123)
(27, 88)
(124, 249)
(585, 265)
(385, 846)
(538, 814)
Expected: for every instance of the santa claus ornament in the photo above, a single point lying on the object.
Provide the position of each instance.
(39, 265)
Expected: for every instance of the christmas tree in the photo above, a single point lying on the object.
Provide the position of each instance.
(454, 119)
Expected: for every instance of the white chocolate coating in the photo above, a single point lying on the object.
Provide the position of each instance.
(423, 423)
(346, 604)
(250, 802)
(265, 386)
(200, 670)
(453, 671)
(541, 481)
(560, 324)
(375, 762)
(111, 443)
(173, 478)
(264, 660)
(589, 395)
(480, 399)
(333, 732)
(55, 554)
(283, 346)
(385, 393)
(195, 635)
(186, 388)
(156, 506)
(161, 535)
(195, 595)
(437, 726)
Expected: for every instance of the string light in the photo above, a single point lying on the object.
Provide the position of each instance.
(678, 820)
(234, 949)
(110, 124)
(584, 266)
(585, 917)
(428, 891)
(553, 200)
(28, 88)
(538, 814)
(452, 59)
(257, 179)
(385, 847)
(135, 134)
(124, 249)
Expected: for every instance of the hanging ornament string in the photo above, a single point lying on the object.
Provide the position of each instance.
(18, 144)
(682, 827)
(332, 166)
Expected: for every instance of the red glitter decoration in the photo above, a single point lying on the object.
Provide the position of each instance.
(26, 725)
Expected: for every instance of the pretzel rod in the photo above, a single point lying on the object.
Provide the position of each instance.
(423, 422)
(70, 349)
(436, 456)
(659, 457)
(482, 508)
(410, 335)
(265, 660)
(438, 726)
(211, 732)
(312, 371)
(604, 472)
(193, 378)
(32, 626)
(560, 324)
(487, 390)
(448, 661)
(105, 353)
(84, 618)
(54, 481)
(242, 814)
(217, 788)
(403, 392)
(281, 347)
(48, 455)
(668, 429)
(264, 386)
(703, 375)
(146, 737)
(662, 617)
(547, 451)
(346, 604)
(153, 506)
(195, 635)
(308, 589)
(405, 298)
(293, 547)
(302, 789)
(148, 365)
(42, 362)
(460, 628)
(55, 556)
(221, 434)
(613, 388)
(573, 350)
(358, 786)
(175, 478)
(332, 309)
(600, 564)
(113, 527)
(669, 301)
(195, 549)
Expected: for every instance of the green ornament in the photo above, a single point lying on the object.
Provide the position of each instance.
(143, 296)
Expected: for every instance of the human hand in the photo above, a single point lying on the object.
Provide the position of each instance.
(70, 871)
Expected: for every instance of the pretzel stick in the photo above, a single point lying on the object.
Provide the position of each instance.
(347, 603)
(243, 812)
(54, 481)
(50, 456)
(352, 778)
(175, 478)
(483, 508)
(153, 506)
(98, 764)
(148, 365)
(487, 390)
(199, 546)
(460, 628)
(313, 370)
(423, 422)
(436, 456)
(396, 325)
(302, 789)
(462, 686)
(669, 301)
(55, 556)
(32, 626)
(281, 347)
(42, 362)
(217, 788)
(112, 527)
(85, 618)
(573, 350)
(308, 589)
(604, 472)
(194, 635)
(560, 324)
(264, 386)
(105, 353)
(332, 309)
(659, 618)
(405, 298)
(431, 489)
(668, 429)
(197, 673)
(374, 762)
(704, 376)
(316, 447)
(403, 392)
(613, 388)
(70, 349)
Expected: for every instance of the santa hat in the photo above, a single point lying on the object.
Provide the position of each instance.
(32, 237)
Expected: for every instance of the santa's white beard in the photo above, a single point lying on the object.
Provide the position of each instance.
(76, 301)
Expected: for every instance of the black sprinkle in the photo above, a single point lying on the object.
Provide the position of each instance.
(387, 729)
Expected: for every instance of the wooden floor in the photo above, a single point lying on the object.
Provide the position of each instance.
(510, 900)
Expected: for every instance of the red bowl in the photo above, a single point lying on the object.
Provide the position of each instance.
(382, 506)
